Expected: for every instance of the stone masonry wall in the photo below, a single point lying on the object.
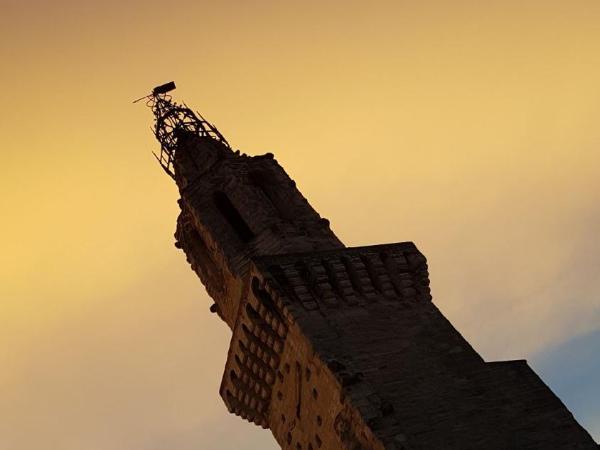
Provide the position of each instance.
(342, 348)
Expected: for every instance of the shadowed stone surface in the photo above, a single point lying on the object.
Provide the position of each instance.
(335, 347)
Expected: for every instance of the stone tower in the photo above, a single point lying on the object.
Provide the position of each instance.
(335, 347)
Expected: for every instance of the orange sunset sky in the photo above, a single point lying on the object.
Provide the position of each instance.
(469, 127)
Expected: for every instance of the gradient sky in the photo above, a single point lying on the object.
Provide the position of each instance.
(468, 127)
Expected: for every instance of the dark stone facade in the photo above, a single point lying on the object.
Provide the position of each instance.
(336, 347)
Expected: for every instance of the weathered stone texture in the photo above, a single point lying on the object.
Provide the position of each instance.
(342, 348)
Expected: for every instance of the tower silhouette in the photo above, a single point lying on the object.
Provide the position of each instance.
(335, 347)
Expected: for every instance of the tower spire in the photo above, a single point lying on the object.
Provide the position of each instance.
(171, 120)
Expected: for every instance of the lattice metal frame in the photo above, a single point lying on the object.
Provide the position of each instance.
(171, 119)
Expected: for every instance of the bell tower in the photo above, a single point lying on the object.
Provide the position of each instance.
(335, 347)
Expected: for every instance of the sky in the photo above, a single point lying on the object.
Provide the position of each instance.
(467, 127)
